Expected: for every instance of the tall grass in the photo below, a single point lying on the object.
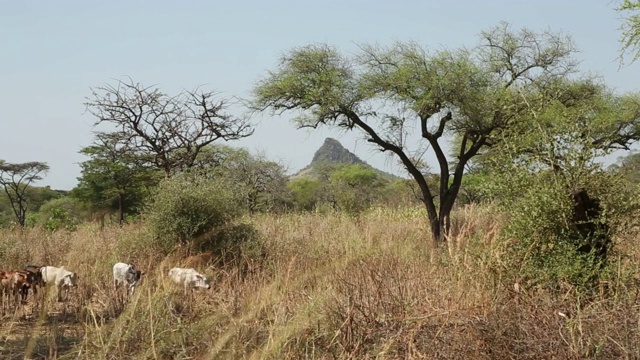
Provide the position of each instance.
(326, 286)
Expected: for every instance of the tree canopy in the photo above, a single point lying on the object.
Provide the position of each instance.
(165, 131)
(260, 182)
(113, 178)
(630, 39)
(477, 95)
(16, 178)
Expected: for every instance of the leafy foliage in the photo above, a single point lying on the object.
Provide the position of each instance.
(306, 193)
(629, 168)
(62, 213)
(16, 179)
(470, 94)
(356, 187)
(260, 182)
(113, 179)
(37, 196)
(474, 189)
(232, 243)
(186, 207)
(630, 40)
(537, 174)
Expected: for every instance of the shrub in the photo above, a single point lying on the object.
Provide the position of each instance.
(306, 193)
(62, 213)
(232, 242)
(188, 206)
(543, 241)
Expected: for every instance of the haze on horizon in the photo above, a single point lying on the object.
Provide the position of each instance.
(53, 53)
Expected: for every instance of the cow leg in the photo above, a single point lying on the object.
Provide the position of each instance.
(7, 299)
(25, 292)
(17, 292)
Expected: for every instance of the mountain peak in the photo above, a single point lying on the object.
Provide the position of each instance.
(332, 151)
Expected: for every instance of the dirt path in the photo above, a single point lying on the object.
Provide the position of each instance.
(31, 333)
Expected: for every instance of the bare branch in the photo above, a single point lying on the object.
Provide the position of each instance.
(167, 131)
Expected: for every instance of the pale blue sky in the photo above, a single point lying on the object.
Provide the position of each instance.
(52, 52)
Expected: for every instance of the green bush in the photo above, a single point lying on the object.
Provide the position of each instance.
(188, 206)
(544, 247)
(356, 187)
(306, 193)
(62, 213)
(232, 242)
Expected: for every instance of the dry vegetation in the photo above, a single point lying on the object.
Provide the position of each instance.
(324, 287)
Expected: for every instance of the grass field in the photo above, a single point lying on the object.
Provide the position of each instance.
(325, 286)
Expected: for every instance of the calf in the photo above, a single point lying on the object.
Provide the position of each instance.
(189, 278)
(126, 274)
(16, 283)
(22, 282)
(36, 276)
(6, 286)
(60, 277)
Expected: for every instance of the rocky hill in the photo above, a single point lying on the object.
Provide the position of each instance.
(332, 152)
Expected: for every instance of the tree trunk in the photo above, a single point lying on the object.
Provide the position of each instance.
(440, 222)
(121, 209)
(586, 220)
(436, 223)
(22, 217)
(440, 229)
(436, 231)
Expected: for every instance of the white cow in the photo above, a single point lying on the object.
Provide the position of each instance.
(126, 274)
(189, 278)
(62, 278)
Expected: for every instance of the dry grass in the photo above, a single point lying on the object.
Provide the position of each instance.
(328, 287)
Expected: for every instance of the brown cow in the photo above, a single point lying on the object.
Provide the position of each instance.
(36, 277)
(16, 283)
(5, 286)
(22, 282)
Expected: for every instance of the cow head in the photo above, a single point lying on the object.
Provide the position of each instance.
(202, 282)
(70, 279)
(34, 277)
(130, 274)
(133, 276)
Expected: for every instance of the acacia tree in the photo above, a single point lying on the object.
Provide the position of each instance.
(559, 146)
(629, 167)
(112, 178)
(356, 187)
(630, 39)
(16, 179)
(166, 131)
(262, 183)
(392, 93)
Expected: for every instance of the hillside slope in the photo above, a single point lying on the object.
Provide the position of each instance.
(333, 153)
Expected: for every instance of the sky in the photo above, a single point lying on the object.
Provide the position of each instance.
(53, 52)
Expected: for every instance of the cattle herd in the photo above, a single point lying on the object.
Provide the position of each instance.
(16, 284)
